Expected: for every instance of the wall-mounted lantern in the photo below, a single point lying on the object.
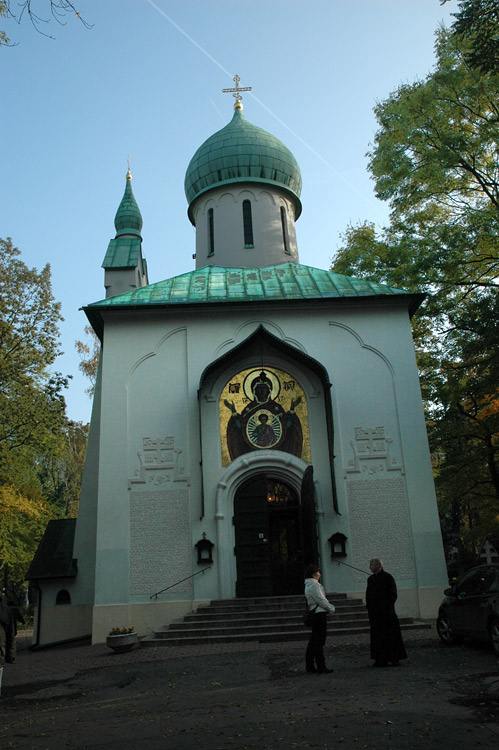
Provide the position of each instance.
(204, 549)
(337, 542)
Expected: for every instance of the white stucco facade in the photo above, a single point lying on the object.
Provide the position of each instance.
(141, 529)
(171, 450)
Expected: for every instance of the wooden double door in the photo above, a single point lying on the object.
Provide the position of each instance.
(275, 534)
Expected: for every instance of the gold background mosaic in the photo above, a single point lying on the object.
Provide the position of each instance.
(285, 385)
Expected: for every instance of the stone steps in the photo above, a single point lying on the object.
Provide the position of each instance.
(204, 615)
(265, 601)
(212, 610)
(272, 637)
(263, 620)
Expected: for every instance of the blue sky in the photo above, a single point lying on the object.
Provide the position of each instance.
(146, 80)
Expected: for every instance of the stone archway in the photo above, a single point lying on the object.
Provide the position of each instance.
(282, 525)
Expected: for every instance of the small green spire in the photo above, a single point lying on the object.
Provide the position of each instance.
(128, 219)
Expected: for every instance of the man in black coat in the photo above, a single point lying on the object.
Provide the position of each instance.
(386, 640)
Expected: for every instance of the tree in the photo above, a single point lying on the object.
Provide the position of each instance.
(33, 426)
(23, 518)
(89, 355)
(32, 406)
(4, 39)
(478, 21)
(438, 142)
(467, 428)
(57, 9)
(61, 472)
(435, 161)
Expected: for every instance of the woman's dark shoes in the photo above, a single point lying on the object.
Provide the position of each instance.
(380, 664)
(325, 670)
(311, 669)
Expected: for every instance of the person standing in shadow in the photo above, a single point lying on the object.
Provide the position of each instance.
(320, 607)
(387, 646)
(7, 637)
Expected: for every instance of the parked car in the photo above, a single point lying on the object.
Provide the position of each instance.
(471, 608)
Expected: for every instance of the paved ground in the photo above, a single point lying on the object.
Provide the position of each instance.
(246, 696)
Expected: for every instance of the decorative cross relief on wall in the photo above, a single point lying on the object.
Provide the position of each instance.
(159, 463)
(372, 453)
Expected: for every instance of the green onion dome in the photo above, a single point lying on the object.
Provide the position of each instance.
(242, 152)
(128, 219)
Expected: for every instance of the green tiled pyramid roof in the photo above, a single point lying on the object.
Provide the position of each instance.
(288, 281)
(242, 152)
(123, 252)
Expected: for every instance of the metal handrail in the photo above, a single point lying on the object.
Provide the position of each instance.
(155, 596)
(352, 566)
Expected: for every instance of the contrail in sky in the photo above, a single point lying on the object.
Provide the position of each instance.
(293, 133)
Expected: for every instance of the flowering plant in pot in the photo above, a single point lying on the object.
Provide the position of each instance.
(122, 639)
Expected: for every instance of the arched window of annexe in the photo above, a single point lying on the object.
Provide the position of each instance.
(211, 232)
(247, 224)
(63, 597)
(284, 225)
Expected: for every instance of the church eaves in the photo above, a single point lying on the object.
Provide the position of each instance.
(288, 281)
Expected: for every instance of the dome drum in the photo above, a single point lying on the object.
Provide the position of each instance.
(245, 225)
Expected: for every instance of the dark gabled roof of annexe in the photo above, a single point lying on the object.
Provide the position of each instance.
(54, 556)
(222, 285)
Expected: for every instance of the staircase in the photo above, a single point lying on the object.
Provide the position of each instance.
(263, 620)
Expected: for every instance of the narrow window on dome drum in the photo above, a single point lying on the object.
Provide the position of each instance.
(211, 232)
(284, 225)
(247, 224)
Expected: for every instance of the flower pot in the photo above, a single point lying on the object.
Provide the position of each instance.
(123, 642)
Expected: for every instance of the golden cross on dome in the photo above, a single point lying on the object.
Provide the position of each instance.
(237, 90)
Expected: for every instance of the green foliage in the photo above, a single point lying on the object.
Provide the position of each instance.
(4, 39)
(32, 406)
(23, 516)
(89, 355)
(478, 21)
(41, 453)
(435, 160)
(61, 472)
(436, 150)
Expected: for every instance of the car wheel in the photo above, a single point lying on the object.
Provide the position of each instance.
(494, 635)
(445, 632)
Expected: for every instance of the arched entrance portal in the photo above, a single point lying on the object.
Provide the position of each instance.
(275, 536)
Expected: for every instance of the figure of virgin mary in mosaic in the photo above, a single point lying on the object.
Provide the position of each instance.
(269, 418)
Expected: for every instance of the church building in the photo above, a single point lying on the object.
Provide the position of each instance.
(251, 416)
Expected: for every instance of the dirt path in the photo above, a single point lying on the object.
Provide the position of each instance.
(259, 698)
